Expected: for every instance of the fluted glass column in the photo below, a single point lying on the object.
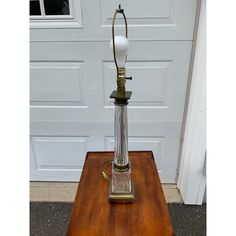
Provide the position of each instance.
(121, 136)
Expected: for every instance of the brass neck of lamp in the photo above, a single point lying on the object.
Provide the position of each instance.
(121, 79)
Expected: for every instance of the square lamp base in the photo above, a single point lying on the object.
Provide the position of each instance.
(121, 197)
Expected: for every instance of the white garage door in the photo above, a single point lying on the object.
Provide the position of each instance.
(73, 74)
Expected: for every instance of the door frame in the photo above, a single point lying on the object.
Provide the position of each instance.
(191, 181)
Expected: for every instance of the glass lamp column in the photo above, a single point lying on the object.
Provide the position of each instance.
(121, 172)
(121, 186)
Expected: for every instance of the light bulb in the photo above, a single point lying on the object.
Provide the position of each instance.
(121, 46)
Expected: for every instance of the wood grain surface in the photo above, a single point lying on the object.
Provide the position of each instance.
(93, 215)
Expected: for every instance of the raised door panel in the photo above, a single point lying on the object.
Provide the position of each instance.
(58, 158)
(57, 83)
(150, 83)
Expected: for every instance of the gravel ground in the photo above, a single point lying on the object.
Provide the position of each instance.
(51, 219)
(188, 220)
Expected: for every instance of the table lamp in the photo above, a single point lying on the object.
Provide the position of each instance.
(121, 187)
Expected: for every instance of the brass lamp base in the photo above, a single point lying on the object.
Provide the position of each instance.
(122, 197)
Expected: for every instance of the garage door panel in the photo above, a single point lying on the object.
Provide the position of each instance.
(60, 157)
(59, 152)
(159, 82)
(148, 20)
(81, 51)
(153, 74)
(152, 19)
(57, 83)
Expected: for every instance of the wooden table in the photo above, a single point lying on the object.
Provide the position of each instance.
(93, 215)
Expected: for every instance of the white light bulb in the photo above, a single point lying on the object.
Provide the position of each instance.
(121, 46)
